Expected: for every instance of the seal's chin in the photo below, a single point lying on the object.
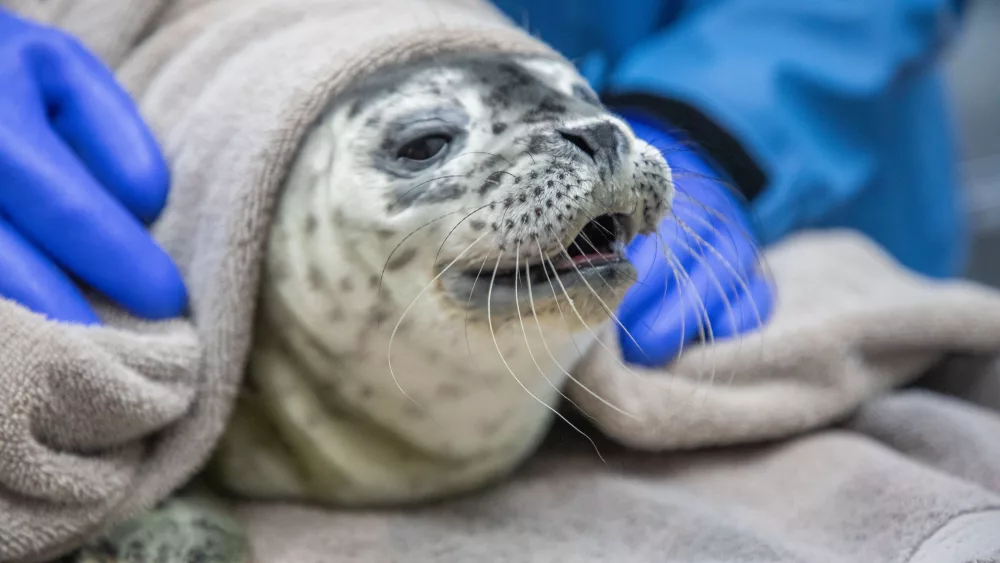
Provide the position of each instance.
(593, 262)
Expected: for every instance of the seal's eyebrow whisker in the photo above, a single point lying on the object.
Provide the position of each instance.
(403, 316)
(489, 317)
(520, 318)
(534, 313)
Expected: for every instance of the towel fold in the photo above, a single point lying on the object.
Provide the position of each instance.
(99, 423)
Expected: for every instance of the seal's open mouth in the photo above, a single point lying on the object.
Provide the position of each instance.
(600, 244)
(595, 256)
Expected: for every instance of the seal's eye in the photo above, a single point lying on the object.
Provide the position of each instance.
(424, 148)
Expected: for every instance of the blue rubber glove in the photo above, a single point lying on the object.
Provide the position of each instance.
(80, 175)
(710, 239)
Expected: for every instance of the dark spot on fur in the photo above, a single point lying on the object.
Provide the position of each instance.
(401, 259)
(499, 127)
(450, 391)
(367, 392)
(336, 314)
(430, 192)
(489, 428)
(378, 315)
(355, 108)
(373, 281)
(537, 191)
(477, 225)
(492, 163)
(315, 278)
(537, 145)
(492, 182)
(384, 233)
(279, 270)
(585, 94)
(413, 411)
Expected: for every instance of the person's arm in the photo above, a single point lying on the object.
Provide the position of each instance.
(783, 96)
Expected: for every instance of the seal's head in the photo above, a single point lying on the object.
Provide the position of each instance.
(447, 232)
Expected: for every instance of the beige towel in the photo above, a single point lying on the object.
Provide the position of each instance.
(96, 424)
(913, 478)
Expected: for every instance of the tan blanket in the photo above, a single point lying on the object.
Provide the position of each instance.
(97, 423)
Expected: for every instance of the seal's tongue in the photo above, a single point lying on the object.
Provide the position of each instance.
(600, 241)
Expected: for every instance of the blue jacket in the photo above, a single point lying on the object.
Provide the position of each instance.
(822, 113)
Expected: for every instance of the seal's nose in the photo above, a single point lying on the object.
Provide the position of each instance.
(600, 137)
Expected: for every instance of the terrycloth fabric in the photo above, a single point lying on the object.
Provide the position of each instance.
(885, 488)
(98, 423)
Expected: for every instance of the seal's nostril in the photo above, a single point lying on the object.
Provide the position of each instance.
(580, 142)
(592, 139)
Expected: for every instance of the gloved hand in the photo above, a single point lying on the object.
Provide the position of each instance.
(80, 174)
(709, 237)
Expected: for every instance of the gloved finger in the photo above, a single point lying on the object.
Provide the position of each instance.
(656, 256)
(29, 278)
(680, 313)
(54, 202)
(746, 308)
(97, 118)
(688, 303)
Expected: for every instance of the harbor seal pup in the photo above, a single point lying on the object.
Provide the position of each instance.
(448, 235)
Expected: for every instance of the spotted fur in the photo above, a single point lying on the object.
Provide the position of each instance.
(400, 352)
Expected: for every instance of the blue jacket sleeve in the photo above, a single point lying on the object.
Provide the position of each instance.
(784, 96)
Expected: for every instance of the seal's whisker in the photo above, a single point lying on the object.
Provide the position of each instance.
(395, 329)
(732, 227)
(468, 306)
(457, 225)
(520, 318)
(587, 326)
(541, 334)
(489, 317)
(425, 182)
(742, 286)
(607, 309)
(494, 155)
(413, 232)
(546, 264)
(705, 331)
